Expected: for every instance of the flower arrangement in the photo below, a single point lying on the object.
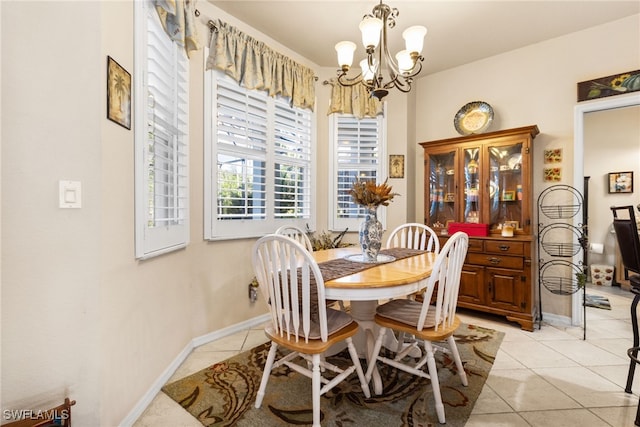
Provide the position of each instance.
(372, 195)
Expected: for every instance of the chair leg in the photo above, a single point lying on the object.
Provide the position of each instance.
(456, 357)
(266, 373)
(636, 339)
(435, 384)
(315, 389)
(356, 363)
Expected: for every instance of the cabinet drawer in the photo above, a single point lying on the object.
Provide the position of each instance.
(491, 260)
(504, 247)
(476, 245)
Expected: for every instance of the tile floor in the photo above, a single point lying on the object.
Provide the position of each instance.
(550, 377)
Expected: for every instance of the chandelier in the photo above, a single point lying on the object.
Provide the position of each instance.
(401, 70)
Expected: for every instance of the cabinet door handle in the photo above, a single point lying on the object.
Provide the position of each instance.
(494, 260)
(504, 248)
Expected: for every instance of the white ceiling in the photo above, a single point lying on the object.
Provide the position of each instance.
(459, 32)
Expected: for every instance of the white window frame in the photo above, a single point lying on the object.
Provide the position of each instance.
(161, 208)
(215, 229)
(336, 223)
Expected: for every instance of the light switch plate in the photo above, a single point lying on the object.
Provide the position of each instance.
(70, 194)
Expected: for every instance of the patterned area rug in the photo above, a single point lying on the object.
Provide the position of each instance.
(224, 393)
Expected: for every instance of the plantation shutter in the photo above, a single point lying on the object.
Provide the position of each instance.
(162, 158)
(292, 136)
(241, 153)
(262, 151)
(357, 150)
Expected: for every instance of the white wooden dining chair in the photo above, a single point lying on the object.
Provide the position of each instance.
(297, 234)
(426, 323)
(414, 235)
(292, 284)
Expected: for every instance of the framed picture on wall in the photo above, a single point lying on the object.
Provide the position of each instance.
(621, 182)
(396, 166)
(118, 94)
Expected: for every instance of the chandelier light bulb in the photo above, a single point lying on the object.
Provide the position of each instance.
(414, 38)
(370, 28)
(345, 51)
(405, 62)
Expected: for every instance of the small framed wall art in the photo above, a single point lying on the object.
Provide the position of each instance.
(621, 182)
(396, 166)
(553, 156)
(118, 94)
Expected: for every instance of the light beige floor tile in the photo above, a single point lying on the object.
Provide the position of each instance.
(617, 346)
(575, 378)
(505, 361)
(490, 403)
(496, 420)
(534, 354)
(254, 338)
(617, 416)
(585, 353)
(580, 383)
(230, 342)
(524, 390)
(164, 411)
(618, 375)
(550, 333)
(570, 418)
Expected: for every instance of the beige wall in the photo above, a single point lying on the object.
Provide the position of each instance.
(80, 316)
(532, 85)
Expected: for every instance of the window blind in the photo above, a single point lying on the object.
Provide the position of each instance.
(161, 139)
(260, 166)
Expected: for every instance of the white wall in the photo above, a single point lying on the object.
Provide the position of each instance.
(533, 85)
(611, 144)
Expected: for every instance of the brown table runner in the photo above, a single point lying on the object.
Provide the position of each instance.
(341, 267)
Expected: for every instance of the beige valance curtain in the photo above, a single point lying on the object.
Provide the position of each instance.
(178, 20)
(255, 65)
(353, 100)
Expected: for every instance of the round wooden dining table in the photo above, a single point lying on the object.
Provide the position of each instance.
(377, 281)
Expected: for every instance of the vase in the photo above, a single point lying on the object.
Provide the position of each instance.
(370, 236)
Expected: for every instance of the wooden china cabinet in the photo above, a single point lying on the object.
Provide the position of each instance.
(482, 183)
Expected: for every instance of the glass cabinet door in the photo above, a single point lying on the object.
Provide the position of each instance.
(442, 189)
(471, 199)
(505, 187)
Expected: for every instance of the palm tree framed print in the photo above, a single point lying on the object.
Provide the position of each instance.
(118, 94)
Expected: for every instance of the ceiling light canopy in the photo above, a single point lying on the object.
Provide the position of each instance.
(401, 70)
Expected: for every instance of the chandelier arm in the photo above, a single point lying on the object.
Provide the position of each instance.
(346, 81)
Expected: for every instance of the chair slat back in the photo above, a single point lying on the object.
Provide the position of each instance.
(291, 282)
(414, 236)
(296, 234)
(446, 274)
(627, 235)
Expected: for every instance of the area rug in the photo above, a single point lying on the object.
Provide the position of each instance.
(597, 301)
(224, 393)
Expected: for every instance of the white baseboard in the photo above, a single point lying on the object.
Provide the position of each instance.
(157, 385)
(555, 319)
